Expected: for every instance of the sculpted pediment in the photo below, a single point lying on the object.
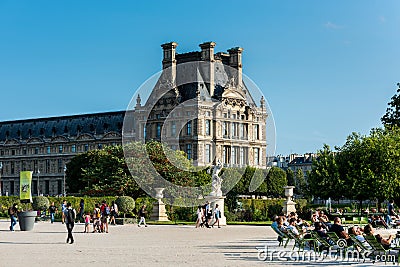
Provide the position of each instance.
(111, 135)
(59, 138)
(11, 142)
(232, 93)
(35, 140)
(233, 98)
(85, 136)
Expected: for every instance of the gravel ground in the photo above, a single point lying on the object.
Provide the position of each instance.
(130, 245)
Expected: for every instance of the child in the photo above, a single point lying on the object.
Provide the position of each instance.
(87, 222)
(96, 219)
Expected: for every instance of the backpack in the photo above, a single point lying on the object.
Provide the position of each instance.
(106, 211)
(70, 216)
(10, 211)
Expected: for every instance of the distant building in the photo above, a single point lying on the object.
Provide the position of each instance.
(45, 145)
(303, 162)
(294, 162)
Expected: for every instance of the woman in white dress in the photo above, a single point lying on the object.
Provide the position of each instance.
(199, 216)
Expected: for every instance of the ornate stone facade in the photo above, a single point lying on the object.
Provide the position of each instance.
(47, 144)
(204, 108)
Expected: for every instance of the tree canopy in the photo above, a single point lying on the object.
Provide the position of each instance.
(365, 167)
(106, 172)
(101, 172)
(392, 115)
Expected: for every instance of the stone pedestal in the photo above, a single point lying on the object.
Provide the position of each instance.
(159, 213)
(221, 206)
(289, 206)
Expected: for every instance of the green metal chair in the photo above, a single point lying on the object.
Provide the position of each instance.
(360, 246)
(301, 242)
(378, 249)
(320, 243)
(283, 238)
(340, 242)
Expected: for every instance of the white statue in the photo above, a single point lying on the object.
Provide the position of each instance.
(216, 180)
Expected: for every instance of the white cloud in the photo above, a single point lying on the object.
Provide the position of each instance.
(331, 25)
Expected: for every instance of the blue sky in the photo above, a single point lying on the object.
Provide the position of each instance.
(326, 68)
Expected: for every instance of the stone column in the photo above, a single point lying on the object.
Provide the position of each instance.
(289, 206)
(159, 212)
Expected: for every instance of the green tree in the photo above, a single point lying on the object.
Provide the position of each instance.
(105, 171)
(275, 181)
(165, 165)
(370, 164)
(392, 115)
(101, 172)
(324, 179)
(290, 177)
(125, 204)
(300, 183)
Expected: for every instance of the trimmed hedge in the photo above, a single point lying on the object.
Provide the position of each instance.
(125, 204)
(40, 203)
(250, 210)
(262, 209)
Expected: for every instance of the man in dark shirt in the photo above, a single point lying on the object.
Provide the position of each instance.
(392, 215)
(52, 210)
(81, 210)
(337, 228)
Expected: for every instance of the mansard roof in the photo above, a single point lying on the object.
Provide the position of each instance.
(73, 125)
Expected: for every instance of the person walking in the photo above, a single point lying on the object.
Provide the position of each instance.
(114, 212)
(70, 215)
(96, 218)
(87, 222)
(199, 220)
(217, 215)
(13, 212)
(142, 214)
(52, 211)
(81, 210)
(105, 213)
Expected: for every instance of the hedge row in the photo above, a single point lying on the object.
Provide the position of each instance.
(263, 209)
(250, 210)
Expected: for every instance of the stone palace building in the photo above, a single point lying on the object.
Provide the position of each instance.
(213, 116)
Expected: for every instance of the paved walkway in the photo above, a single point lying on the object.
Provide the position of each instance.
(130, 245)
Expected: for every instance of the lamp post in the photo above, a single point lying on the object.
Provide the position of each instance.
(65, 169)
(38, 186)
(1, 170)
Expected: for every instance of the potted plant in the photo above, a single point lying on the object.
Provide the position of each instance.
(125, 205)
(40, 204)
(26, 218)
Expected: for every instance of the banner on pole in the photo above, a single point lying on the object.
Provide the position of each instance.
(25, 182)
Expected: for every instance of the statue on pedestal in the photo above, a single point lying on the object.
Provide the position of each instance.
(216, 180)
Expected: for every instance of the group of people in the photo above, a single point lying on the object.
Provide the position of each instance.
(207, 217)
(292, 222)
(322, 225)
(101, 217)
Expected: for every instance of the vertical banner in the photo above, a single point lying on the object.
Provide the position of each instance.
(25, 181)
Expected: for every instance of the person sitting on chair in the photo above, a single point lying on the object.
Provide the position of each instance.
(339, 230)
(369, 230)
